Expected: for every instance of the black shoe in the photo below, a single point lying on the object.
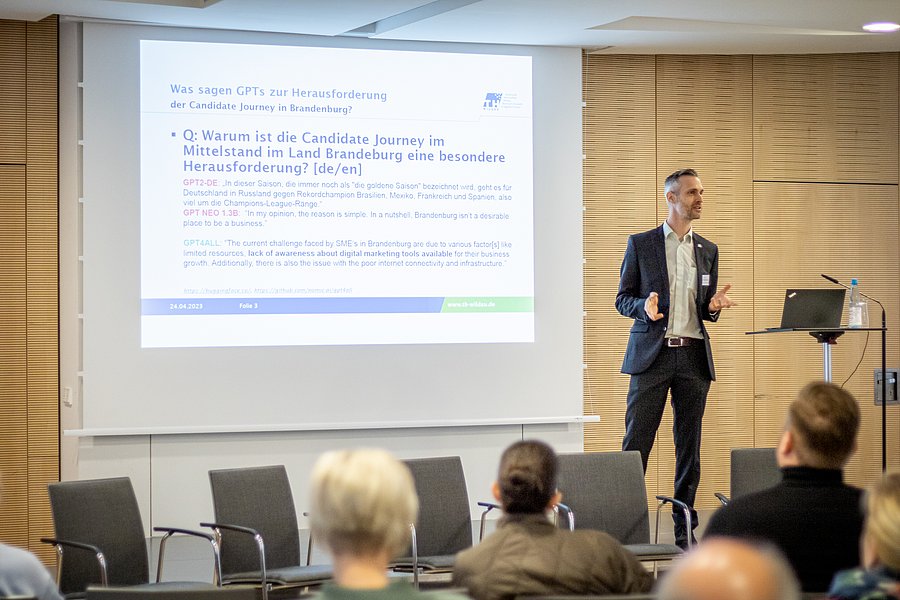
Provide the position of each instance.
(681, 535)
(682, 542)
(682, 529)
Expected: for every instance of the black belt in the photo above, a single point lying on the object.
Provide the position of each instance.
(678, 342)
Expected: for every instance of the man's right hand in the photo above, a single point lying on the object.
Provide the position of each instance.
(651, 307)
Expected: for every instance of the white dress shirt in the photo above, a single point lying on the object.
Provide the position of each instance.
(682, 267)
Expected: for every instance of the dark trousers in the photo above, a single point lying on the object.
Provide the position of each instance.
(684, 371)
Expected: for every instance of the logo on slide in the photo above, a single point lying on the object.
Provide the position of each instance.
(492, 101)
(502, 102)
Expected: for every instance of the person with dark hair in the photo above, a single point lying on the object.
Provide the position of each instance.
(812, 516)
(528, 554)
(668, 286)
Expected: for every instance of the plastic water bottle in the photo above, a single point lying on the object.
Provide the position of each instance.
(855, 306)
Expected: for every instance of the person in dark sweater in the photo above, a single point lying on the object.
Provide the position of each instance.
(812, 516)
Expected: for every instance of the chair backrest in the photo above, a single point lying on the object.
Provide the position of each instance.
(105, 514)
(445, 523)
(606, 491)
(753, 469)
(259, 498)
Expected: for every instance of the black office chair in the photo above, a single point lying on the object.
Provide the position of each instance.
(606, 491)
(752, 470)
(256, 523)
(100, 538)
(444, 526)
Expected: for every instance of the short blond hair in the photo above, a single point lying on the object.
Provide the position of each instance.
(882, 528)
(362, 502)
(825, 419)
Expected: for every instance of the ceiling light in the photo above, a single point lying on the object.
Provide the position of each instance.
(881, 27)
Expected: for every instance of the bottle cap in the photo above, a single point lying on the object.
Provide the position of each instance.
(854, 282)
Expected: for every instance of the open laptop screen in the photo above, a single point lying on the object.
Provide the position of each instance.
(810, 309)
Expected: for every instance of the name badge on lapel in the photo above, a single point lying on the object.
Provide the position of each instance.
(704, 279)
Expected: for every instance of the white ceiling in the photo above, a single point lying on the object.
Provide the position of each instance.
(627, 26)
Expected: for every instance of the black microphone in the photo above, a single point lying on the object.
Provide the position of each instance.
(833, 280)
(883, 372)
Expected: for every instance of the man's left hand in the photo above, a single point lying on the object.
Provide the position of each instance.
(721, 300)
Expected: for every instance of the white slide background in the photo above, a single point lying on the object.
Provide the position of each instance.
(346, 202)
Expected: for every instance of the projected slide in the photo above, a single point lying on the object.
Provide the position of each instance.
(294, 196)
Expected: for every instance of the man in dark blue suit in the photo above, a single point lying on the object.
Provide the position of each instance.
(668, 286)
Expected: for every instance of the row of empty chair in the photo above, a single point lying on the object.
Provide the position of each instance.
(256, 538)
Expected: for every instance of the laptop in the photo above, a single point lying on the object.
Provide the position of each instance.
(812, 309)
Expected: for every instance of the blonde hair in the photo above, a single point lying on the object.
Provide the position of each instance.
(362, 502)
(882, 528)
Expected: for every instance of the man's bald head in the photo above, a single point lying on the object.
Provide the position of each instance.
(728, 569)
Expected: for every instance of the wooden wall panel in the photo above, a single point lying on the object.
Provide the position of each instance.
(704, 117)
(29, 314)
(42, 274)
(845, 231)
(825, 118)
(747, 124)
(12, 92)
(619, 196)
(13, 374)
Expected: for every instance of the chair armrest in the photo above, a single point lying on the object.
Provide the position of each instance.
(230, 527)
(309, 542)
(259, 544)
(415, 554)
(570, 514)
(101, 559)
(722, 498)
(170, 531)
(173, 530)
(681, 506)
(488, 507)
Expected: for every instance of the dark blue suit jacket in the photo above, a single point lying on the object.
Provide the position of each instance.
(643, 271)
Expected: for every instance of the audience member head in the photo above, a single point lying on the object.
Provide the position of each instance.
(526, 482)
(362, 504)
(730, 569)
(881, 534)
(821, 428)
